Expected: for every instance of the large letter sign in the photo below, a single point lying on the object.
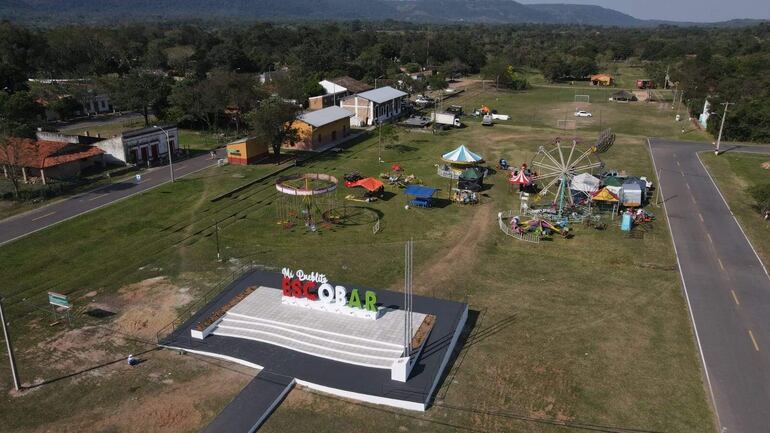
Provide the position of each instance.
(314, 291)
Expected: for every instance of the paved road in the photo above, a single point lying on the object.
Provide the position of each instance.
(24, 224)
(727, 288)
(251, 407)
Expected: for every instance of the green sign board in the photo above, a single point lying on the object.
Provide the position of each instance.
(58, 300)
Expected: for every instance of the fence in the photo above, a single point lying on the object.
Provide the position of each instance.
(449, 174)
(207, 297)
(506, 228)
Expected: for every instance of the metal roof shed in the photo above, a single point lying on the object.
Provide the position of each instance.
(324, 116)
(382, 94)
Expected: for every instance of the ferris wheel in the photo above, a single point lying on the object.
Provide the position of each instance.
(557, 165)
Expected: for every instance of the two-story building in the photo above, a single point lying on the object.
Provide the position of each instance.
(374, 106)
(335, 89)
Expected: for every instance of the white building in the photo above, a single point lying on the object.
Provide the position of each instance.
(140, 145)
(374, 106)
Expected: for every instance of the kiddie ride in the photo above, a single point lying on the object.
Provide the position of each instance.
(557, 166)
(307, 197)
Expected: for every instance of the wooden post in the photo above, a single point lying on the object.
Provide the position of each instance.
(24, 174)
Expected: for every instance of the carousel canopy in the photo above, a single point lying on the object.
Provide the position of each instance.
(519, 178)
(584, 182)
(462, 155)
(605, 194)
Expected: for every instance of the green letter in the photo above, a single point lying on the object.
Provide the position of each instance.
(355, 300)
(371, 299)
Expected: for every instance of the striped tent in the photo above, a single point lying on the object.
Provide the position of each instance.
(605, 194)
(519, 178)
(462, 156)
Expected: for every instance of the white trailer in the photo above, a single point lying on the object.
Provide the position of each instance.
(446, 119)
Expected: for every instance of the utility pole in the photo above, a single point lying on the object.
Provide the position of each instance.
(379, 147)
(11, 359)
(170, 151)
(216, 235)
(721, 127)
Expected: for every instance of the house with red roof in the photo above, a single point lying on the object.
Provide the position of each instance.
(45, 159)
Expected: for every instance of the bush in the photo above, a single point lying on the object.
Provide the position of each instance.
(761, 195)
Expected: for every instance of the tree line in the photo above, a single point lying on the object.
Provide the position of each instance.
(215, 76)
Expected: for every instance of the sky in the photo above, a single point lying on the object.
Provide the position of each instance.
(680, 10)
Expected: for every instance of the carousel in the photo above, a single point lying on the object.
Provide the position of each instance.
(456, 161)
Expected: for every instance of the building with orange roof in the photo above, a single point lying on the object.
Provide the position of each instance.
(602, 80)
(47, 159)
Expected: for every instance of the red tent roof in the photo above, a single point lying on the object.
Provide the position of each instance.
(369, 183)
(26, 152)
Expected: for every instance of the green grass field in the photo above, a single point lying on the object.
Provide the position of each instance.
(544, 107)
(590, 330)
(734, 173)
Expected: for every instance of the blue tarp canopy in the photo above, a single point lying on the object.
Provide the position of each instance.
(420, 191)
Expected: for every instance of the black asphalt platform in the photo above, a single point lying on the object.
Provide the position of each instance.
(325, 372)
(252, 406)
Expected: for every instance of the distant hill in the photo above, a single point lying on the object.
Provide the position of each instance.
(432, 11)
(586, 14)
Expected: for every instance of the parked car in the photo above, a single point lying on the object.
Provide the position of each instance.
(455, 109)
(424, 101)
(583, 113)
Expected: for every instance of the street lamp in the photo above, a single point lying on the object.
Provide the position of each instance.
(168, 145)
(375, 80)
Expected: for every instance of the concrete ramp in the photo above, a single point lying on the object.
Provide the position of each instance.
(253, 405)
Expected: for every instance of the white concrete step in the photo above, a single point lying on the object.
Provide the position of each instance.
(345, 334)
(330, 351)
(321, 339)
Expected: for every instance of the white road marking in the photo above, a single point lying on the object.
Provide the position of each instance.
(678, 164)
(97, 197)
(708, 235)
(687, 185)
(753, 340)
(720, 263)
(43, 216)
(701, 217)
(735, 297)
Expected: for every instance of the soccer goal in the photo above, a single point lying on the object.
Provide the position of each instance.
(566, 124)
(585, 99)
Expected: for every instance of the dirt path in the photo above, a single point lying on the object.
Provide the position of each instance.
(441, 269)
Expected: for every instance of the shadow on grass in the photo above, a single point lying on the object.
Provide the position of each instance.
(92, 368)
